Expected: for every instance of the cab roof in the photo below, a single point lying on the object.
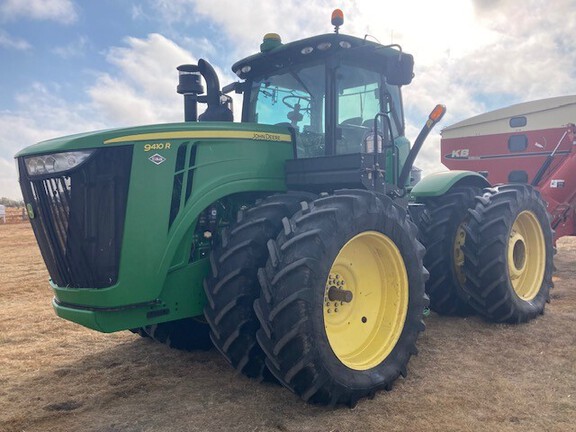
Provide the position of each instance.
(316, 48)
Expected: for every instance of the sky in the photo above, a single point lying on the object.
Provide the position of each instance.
(69, 66)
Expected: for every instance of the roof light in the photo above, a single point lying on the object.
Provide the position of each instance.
(246, 69)
(307, 50)
(337, 19)
(345, 44)
(324, 46)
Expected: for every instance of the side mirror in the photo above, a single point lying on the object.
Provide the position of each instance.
(400, 69)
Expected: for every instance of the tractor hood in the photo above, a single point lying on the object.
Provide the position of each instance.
(151, 133)
(116, 212)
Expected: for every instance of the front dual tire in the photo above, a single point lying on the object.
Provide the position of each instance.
(342, 298)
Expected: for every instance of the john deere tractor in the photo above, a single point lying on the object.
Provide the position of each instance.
(293, 241)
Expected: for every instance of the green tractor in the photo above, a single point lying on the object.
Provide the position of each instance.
(293, 241)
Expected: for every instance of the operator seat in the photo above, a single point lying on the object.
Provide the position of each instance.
(353, 133)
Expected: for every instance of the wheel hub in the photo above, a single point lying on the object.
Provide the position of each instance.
(526, 255)
(365, 300)
(338, 297)
(516, 255)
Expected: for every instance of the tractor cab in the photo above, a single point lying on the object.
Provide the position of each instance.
(339, 95)
(328, 88)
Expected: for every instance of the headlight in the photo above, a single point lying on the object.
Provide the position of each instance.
(55, 163)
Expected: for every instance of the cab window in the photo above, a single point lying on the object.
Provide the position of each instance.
(358, 93)
(295, 99)
(362, 94)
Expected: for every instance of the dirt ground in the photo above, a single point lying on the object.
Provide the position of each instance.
(469, 376)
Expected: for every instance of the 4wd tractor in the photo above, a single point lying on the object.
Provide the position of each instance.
(289, 239)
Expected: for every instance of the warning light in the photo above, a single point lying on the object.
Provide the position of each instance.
(271, 41)
(337, 19)
(437, 113)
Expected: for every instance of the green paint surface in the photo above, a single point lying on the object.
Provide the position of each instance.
(439, 183)
(156, 272)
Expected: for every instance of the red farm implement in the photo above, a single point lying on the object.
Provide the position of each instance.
(531, 142)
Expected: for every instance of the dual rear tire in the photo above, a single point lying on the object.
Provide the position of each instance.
(442, 229)
(491, 254)
(508, 255)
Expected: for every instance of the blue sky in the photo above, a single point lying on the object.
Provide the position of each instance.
(74, 65)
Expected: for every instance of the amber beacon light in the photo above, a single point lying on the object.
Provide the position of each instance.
(337, 19)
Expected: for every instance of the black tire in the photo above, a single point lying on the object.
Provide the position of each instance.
(291, 308)
(185, 334)
(233, 287)
(503, 282)
(441, 222)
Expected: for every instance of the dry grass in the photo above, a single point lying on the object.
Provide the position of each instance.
(469, 376)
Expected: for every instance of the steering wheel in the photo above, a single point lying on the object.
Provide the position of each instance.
(297, 99)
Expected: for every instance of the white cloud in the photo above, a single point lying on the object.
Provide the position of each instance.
(143, 87)
(76, 48)
(62, 11)
(7, 41)
(244, 24)
(534, 53)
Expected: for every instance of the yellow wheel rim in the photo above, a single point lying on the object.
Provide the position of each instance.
(526, 256)
(366, 300)
(459, 241)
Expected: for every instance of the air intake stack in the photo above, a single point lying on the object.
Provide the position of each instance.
(190, 86)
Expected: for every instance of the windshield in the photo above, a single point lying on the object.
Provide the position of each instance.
(294, 98)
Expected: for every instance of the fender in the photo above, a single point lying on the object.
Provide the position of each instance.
(439, 183)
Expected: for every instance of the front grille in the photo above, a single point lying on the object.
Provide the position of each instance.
(79, 217)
